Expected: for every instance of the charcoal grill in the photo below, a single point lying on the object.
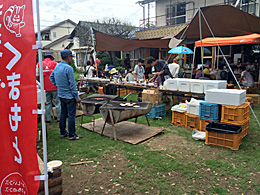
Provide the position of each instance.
(91, 104)
(112, 112)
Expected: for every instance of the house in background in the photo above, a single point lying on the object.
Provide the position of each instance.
(56, 38)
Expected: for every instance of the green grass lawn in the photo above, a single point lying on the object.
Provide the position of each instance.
(170, 163)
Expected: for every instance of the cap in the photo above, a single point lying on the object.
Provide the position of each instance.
(48, 54)
(65, 53)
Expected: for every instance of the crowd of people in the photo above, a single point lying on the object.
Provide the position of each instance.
(62, 92)
(158, 71)
(247, 73)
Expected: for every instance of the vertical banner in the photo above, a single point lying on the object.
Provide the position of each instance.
(18, 126)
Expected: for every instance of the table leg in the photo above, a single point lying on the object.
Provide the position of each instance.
(136, 119)
(93, 122)
(113, 125)
(104, 126)
(147, 120)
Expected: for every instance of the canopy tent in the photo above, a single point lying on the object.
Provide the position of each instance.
(224, 21)
(105, 42)
(246, 39)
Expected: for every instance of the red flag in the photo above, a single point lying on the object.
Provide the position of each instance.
(18, 156)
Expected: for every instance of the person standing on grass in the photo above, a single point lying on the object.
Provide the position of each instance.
(51, 93)
(127, 64)
(174, 67)
(89, 74)
(160, 70)
(139, 70)
(63, 78)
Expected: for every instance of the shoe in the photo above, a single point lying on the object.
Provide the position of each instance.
(75, 137)
(47, 121)
(65, 135)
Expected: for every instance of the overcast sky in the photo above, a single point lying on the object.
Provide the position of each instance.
(54, 11)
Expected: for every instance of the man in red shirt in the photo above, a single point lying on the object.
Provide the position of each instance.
(51, 92)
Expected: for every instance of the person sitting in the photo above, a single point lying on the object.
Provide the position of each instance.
(198, 73)
(130, 77)
(220, 74)
(246, 78)
(174, 67)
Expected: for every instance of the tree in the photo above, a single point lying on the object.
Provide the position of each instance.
(111, 26)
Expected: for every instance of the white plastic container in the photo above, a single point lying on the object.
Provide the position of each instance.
(231, 97)
(193, 107)
(197, 86)
(214, 84)
(184, 84)
(172, 84)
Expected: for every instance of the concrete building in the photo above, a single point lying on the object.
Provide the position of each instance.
(173, 15)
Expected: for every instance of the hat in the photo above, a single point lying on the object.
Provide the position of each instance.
(206, 71)
(65, 53)
(48, 54)
(113, 71)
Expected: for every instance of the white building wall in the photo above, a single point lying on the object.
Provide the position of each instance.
(62, 30)
(190, 11)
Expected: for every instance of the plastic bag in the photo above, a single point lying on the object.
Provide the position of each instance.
(198, 135)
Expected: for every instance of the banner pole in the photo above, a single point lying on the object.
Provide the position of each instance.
(93, 43)
(44, 140)
(201, 49)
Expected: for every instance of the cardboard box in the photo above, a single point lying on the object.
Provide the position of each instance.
(153, 96)
(255, 98)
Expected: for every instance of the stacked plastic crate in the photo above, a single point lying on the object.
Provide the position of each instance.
(208, 112)
(234, 123)
(192, 116)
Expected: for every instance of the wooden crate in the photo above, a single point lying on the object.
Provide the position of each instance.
(255, 98)
(192, 121)
(203, 123)
(179, 118)
(226, 140)
(123, 91)
(100, 90)
(235, 114)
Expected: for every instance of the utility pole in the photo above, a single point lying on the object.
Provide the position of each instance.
(149, 14)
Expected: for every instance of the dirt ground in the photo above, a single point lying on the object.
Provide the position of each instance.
(107, 177)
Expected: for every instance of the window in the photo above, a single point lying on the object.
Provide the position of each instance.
(46, 36)
(142, 53)
(136, 53)
(249, 6)
(176, 14)
(54, 34)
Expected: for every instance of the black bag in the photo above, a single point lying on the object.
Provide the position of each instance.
(85, 73)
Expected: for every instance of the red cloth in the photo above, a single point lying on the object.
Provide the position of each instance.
(48, 66)
(98, 62)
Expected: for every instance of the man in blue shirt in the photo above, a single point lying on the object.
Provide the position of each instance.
(63, 78)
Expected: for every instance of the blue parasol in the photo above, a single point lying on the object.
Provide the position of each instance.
(180, 50)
